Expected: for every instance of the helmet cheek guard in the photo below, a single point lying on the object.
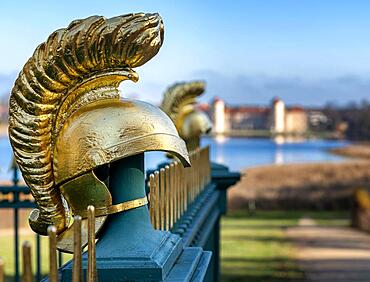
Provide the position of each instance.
(98, 134)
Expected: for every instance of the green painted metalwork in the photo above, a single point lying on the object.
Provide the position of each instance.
(130, 249)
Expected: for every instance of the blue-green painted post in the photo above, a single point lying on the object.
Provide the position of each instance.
(126, 183)
(130, 249)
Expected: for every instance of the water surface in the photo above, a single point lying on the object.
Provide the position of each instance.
(237, 153)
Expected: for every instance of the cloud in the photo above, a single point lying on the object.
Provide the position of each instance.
(260, 89)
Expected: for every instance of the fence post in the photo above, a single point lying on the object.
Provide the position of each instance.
(16, 224)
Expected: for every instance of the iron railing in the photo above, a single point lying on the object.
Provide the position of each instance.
(173, 191)
(18, 197)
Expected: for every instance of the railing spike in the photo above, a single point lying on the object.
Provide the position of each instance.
(162, 197)
(157, 201)
(176, 190)
(171, 193)
(182, 189)
(77, 268)
(91, 258)
(152, 199)
(173, 188)
(53, 267)
(27, 262)
(167, 202)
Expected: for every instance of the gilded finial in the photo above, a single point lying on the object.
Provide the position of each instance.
(63, 75)
(179, 102)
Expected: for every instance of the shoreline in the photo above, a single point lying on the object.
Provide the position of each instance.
(317, 186)
(359, 150)
(309, 135)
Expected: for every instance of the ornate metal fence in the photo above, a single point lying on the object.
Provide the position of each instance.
(18, 197)
(174, 188)
(186, 201)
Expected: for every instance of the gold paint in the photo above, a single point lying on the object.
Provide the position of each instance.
(208, 171)
(197, 186)
(195, 175)
(65, 240)
(191, 179)
(65, 115)
(179, 102)
(91, 259)
(178, 191)
(182, 191)
(179, 194)
(167, 197)
(205, 168)
(27, 262)
(125, 206)
(77, 258)
(152, 199)
(157, 201)
(186, 185)
(172, 194)
(88, 141)
(162, 197)
(175, 190)
(53, 268)
(192, 184)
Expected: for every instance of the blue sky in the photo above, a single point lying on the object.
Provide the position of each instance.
(306, 52)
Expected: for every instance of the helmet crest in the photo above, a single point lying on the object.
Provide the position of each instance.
(179, 102)
(181, 95)
(60, 77)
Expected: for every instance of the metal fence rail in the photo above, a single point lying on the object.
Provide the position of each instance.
(18, 197)
(173, 188)
(186, 201)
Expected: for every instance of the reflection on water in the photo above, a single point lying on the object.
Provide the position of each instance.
(279, 156)
(221, 139)
(237, 153)
(279, 139)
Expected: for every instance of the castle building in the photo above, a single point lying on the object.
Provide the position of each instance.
(296, 120)
(218, 116)
(277, 118)
(288, 120)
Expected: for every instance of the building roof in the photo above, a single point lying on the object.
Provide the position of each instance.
(296, 109)
(246, 109)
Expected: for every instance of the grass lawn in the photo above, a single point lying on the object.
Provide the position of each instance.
(254, 248)
(7, 253)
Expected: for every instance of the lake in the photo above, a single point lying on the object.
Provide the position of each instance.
(237, 153)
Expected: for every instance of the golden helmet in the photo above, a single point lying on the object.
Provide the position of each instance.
(66, 117)
(179, 102)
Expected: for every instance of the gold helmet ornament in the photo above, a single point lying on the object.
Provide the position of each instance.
(67, 120)
(179, 102)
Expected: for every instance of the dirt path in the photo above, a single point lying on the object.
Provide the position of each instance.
(331, 253)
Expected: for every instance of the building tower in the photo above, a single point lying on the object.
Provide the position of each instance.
(278, 116)
(219, 116)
